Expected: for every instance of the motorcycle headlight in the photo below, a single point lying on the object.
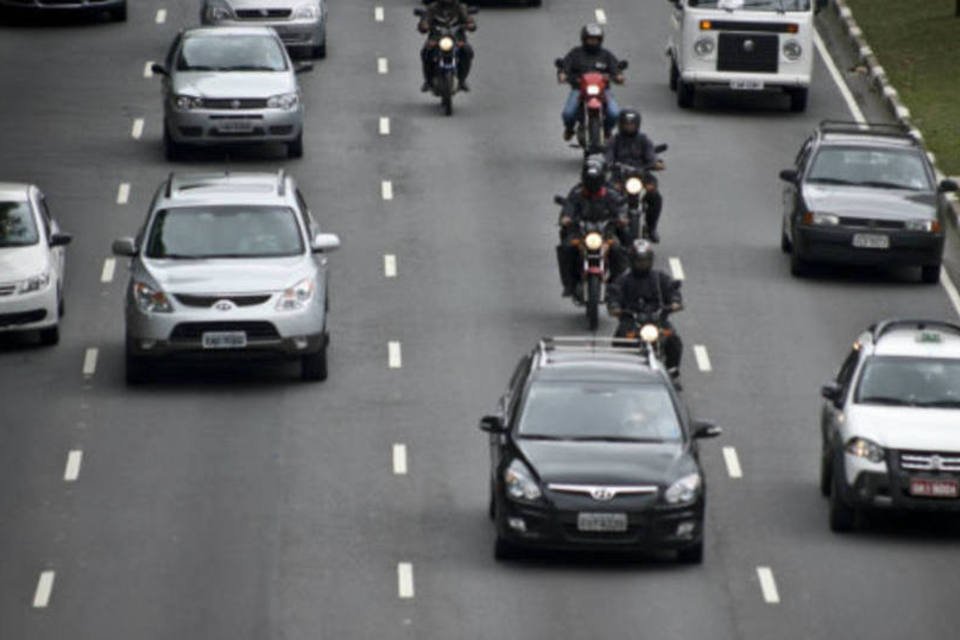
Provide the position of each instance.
(633, 185)
(297, 296)
(792, 50)
(520, 483)
(217, 11)
(649, 333)
(704, 47)
(867, 449)
(34, 283)
(593, 90)
(930, 226)
(150, 299)
(284, 101)
(821, 219)
(684, 490)
(593, 241)
(185, 103)
(307, 12)
(446, 43)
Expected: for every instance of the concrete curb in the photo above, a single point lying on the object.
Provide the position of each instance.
(878, 77)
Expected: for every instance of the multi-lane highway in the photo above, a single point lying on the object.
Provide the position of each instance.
(230, 503)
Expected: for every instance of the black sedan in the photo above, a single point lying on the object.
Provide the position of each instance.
(116, 9)
(592, 449)
(864, 194)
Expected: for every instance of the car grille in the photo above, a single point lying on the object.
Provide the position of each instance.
(7, 289)
(194, 330)
(928, 461)
(871, 223)
(22, 317)
(208, 301)
(263, 14)
(748, 52)
(234, 103)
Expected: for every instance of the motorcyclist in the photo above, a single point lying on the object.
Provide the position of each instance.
(590, 200)
(632, 147)
(643, 288)
(589, 56)
(447, 11)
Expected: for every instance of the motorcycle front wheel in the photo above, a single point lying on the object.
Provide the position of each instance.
(594, 134)
(593, 302)
(446, 94)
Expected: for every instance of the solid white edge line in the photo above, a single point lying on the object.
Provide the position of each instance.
(137, 130)
(394, 358)
(384, 126)
(72, 471)
(383, 67)
(41, 597)
(90, 361)
(386, 190)
(601, 16)
(378, 13)
(109, 267)
(768, 585)
(161, 16)
(400, 459)
(677, 268)
(390, 265)
(951, 289)
(405, 580)
(123, 193)
(147, 71)
(732, 460)
(703, 358)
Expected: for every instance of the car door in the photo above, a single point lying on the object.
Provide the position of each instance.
(831, 416)
(312, 229)
(50, 227)
(791, 190)
(170, 63)
(507, 409)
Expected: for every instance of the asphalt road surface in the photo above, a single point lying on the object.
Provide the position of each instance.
(240, 503)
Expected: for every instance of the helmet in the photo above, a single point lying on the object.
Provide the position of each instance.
(629, 122)
(594, 173)
(592, 31)
(641, 257)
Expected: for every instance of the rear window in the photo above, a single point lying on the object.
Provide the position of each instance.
(17, 225)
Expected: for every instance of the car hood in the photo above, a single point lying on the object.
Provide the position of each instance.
(603, 462)
(861, 202)
(233, 84)
(907, 428)
(266, 4)
(214, 276)
(17, 263)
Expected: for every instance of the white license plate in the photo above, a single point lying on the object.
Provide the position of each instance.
(612, 522)
(922, 488)
(871, 241)
(235, 126)
(746, 85)
(224, 340)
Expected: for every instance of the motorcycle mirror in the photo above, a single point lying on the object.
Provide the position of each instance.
(660, 148)
(558, 63)
(560, 200)
(418, 12)
(473, 11)
(705, 429)
(623, 64)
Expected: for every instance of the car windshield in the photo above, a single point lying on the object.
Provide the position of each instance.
(231, 53)
(883, 168)
(601, 411)
(753, 5)
(917, 382)
(17, 226)
(224, 232)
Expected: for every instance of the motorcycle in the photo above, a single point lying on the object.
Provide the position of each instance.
(629, 180)
(593, 87)
(649, 326)
(448, 36)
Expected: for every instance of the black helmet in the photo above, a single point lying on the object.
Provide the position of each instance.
(594, 174)
(594, 31)
(629, 122)
(641, 257)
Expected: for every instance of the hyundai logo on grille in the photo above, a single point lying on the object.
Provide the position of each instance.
(224, 305)
(748, 46)
(936, 462)
(235, 104)
(265, 13)
(602, 494)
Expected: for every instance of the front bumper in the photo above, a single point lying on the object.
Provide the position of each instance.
(29, 311)
(294, 33)
(907, 248)
(57, 6)
(886, 486)
(723, 79)
(207, 127)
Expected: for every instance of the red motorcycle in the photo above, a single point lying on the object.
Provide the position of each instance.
(593, 87)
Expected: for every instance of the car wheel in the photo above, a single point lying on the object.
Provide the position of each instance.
(674, 75)
(313, 366)
(692, 554)
(50, 336)
(826, 477)
(843, 517)
(61, 307)
(320, 51)
(685, 92)
(120, 13)
(492, 507)
(930, 273)
(798, 100)
(785, 245)
(798, 266)
(136, 369)
(504, 549)
(295, 147)
(534, 3)
(171, 150)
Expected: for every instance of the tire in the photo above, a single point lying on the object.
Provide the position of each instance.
(785, 244)
(685, 93)
(692, 554)
(534, 3)
(136, 369)
(798, 100)
(171, 150)
(826, 474)
(593, 302)
(320, 51)
(930, 273)
(61, 307)
(594, 139)
(50, 336)
(674, 75)
(295, 147)
(119, 14)
(843, 517)
(492, 507)
(504, 549)
(313, 366)
(446, 95)
(798, 266)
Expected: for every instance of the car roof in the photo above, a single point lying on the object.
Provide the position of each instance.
(874, 134)
(590, 359)
(916, 338)
(14, 191)
(225, 187)
(229, 31)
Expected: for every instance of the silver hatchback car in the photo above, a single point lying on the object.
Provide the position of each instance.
(230, 85)
(229, 265)
(302, 24)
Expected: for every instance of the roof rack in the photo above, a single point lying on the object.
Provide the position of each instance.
(887, 326)
(595, 344)
(281, 183)
(169, 190)
(895, 130)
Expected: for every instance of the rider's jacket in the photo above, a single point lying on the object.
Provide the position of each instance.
(579, 61)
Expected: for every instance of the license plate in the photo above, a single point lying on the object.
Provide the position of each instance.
(235, 126)
(871, 241)
(224, 340)
(934, 488)
(746, 85)
(612, 522)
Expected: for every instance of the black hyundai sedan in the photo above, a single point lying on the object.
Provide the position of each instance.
(592, 448)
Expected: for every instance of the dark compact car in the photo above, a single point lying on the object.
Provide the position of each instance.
(864, 194)
(116, 9)
(592, 448)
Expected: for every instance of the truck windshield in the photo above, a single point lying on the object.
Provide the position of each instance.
(753, 5)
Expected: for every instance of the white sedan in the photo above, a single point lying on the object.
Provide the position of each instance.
(31, 264)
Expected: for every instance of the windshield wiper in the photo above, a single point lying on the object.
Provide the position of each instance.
(940, 403)
(539, 436)
(176, 256)
(831, 181)
(884, 185)
(615, 439)
(248, 67)
(886, 400)
(198, 67)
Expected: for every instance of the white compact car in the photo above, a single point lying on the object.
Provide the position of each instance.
(31, 263)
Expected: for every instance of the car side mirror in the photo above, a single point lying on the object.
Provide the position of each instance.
(303, 67)
(126, 247)
(325, 242)
(831, 391)
(948, 185)
(492, 424)
(660, 148)
(705, 429)
(558, 63)
(419, 12)
(60, 239)
(560, 200)
(159, 69)
(789, 175)
(622, 65)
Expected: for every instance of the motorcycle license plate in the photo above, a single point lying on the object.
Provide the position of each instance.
(746, 85)
(606, 522)
(922, 488)
(871, 241)
(235, 126)
(224, 340)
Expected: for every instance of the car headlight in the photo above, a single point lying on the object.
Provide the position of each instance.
(821, 219)
(151, 300)
(34, 283)
(185, 103)
(684, 490)
(930, 226)
(863, 448)
(792, 50)
(633, 185)
(704, 47)
(593, 90)
(593, 241)
(285, 101)
(520, 483)
(217, 11)
(446, 44)
(307, 12)
(649, 333)
(297, 296)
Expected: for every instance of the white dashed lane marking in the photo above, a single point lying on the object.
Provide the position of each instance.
(384, 126)
(41, 597)
(137, 130)
(405, 580)
(123, 193)
(378, 14)
(90, 361)
(733, 462)
(676, 267)
(703, 358)
(386, 190)
(72, 470)
(768, 586)
(394, 360)
(161, 16)
(400, 459)
(601, 16)
(383, 66)
(390, 265)
(147, 70)
(109, 267)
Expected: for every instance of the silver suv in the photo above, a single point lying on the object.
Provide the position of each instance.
(301, 24)
(889, 423)
(228, 265)
(230, 85)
